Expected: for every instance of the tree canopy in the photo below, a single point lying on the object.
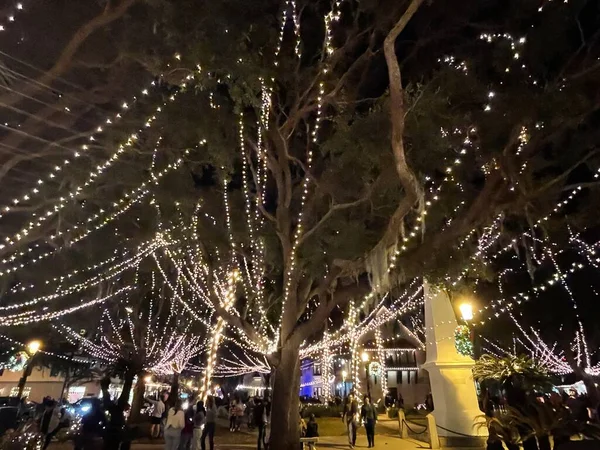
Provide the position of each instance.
(277, 169)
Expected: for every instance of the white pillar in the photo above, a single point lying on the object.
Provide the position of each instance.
(450, 373)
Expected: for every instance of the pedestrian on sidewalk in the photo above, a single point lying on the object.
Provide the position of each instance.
(174, 426)
(199, 419)
(232, 416)
(368, 414)
(49, 421)
(156, 416)
(312, 430)
(239, 414)
(259, 422)
(349, 418)
(188, 429)
(210, 423)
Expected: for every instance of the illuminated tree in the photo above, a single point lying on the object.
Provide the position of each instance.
(293, 163)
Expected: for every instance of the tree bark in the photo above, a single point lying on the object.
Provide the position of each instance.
(138, 399)
(285, 418)
(127, 385)
(26, 372)
(174, 395)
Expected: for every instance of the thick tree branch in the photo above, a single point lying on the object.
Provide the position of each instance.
(332, 210)
(340, 297)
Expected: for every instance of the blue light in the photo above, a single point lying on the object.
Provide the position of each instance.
(85, 408)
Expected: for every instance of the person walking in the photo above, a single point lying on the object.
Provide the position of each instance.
(232, 415)
(210, 423)
(174, 426)
(199, 418)
(259, 421)
(188, 429)
(239, 414)
(312, 430)
(368, 413)
(349, 418)
(49, 421)
(156, 416)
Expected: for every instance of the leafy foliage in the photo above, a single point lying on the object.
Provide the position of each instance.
(521, 370)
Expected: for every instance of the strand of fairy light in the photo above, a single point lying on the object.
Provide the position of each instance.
(507, 304)
(298, 231)
(135, 196)
(19, 289)
(100, 129)
(176, 295)
(216, 333)
(10, 18)
(365, 326)
(429, 203)
(305, 183)
(326, 366)
(563, 282)
(14, 321)
(78, 190)
(109, 274)
(556, 277)
(254, 275)
(381, 357)
(545, 354)
(538, 223)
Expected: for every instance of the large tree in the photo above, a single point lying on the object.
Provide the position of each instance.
(293, 159)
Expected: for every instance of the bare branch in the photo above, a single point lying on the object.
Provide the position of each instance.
(110, 14)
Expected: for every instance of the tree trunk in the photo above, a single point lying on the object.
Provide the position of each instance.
(127, 384)
(138, 399)
(174, 394)
(23, 380)
(285, 409)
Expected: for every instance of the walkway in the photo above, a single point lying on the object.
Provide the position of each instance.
(381, 442)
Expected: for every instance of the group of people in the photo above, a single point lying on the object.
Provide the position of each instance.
(236, 414)
(185, 429)
(352, 418)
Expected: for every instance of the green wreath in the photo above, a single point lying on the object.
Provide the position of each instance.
(462, 340)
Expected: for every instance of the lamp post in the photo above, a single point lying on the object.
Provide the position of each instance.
(344, 375)
(365, 359)
(466, 312)
(32, 348)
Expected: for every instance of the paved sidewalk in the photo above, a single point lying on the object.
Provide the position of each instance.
(381, 442)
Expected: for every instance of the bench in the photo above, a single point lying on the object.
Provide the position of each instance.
(309, 442)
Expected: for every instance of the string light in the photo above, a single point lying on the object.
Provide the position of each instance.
(11, 15)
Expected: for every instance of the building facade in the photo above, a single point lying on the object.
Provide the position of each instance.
(385, 361)
(42, 383)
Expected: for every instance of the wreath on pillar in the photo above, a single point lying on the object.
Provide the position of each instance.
(462, 340)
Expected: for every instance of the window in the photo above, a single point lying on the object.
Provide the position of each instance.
(15, 391)
(318, 392)
(398, 377)
(317, 369)
(75, 393)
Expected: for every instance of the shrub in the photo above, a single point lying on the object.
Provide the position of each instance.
(323, 411)
(392, 412)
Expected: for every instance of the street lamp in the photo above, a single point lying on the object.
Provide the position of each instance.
(365, 359)
(344, 375)
(32, 348)
(466, 311)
